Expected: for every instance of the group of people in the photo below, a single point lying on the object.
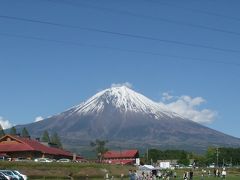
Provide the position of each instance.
(218, 173)
(133, 175)
(151, 175)
(188, 175)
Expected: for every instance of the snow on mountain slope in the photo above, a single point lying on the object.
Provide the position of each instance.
(124, 100)
(129, 119)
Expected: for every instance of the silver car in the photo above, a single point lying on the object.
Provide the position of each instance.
(11, 175)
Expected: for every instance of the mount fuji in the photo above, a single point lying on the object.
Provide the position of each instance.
(128, 119)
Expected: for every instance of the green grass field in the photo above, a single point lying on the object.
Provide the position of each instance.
(93, 171)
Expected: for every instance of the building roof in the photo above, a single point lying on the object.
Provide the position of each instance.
(9, 143)
(121, 154)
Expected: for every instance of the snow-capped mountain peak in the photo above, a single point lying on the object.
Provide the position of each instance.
(124, 100)
(128, 118)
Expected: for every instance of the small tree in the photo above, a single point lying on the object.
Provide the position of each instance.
(25, 133)
(13, 131)
(45, 137)
(56, 140)
(183, 158)
(100, 148)
(2, 133)
(211, 155)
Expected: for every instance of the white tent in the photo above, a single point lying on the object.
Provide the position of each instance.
(147, 167)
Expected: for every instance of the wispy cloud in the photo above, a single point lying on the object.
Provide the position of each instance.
(38, 118)
(189, 107)
(127, 84)
(166, 96)
(5, 123)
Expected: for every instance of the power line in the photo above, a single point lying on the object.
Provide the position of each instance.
(118, 49)
(167, 41)
(169, 21)
(194, 10)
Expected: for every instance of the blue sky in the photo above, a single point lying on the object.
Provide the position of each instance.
(184, 54)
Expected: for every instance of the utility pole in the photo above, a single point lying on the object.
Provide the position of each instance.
(147, 155)
(217, 155)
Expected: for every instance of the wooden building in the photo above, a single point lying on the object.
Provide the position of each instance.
(121, 157)
(19, 147)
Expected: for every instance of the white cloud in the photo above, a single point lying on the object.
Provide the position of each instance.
(166, 96)
(122, 84)
(5, 123)
(38, 118)
(188, 107)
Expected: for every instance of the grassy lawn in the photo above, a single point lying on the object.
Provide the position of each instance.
(232, 174)
(59, 171)
(62, 170)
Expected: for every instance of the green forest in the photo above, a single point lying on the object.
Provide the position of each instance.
(221, 156)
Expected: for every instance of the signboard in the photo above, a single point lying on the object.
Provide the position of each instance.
(138, 161)
(164, 165)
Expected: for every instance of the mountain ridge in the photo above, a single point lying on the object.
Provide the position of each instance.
(128, 118)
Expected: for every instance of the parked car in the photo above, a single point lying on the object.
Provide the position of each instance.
(24, 177)
(11, 175)
(21, 159)
(64, 160)
(212, 165)
(4, 177)
(43, 160)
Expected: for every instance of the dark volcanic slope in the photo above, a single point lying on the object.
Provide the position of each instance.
(129, 119)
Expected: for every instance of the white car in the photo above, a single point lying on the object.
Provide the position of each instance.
(5, 177)
(20, 174)
(212, 166)
(10, 174)
(64, 160)
(43, 160)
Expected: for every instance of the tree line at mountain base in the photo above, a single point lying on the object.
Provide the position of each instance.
(217, 156)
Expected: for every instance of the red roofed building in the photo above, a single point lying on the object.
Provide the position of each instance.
(15, 147)
(121, 157)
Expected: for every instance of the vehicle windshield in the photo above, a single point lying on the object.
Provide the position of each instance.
(8, 173)
(14, 172)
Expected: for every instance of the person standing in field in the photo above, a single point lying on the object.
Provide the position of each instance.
(131, 175)
(191, 175)
(122, 176)
(215, 172)
(185, 175)
(224, 173)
